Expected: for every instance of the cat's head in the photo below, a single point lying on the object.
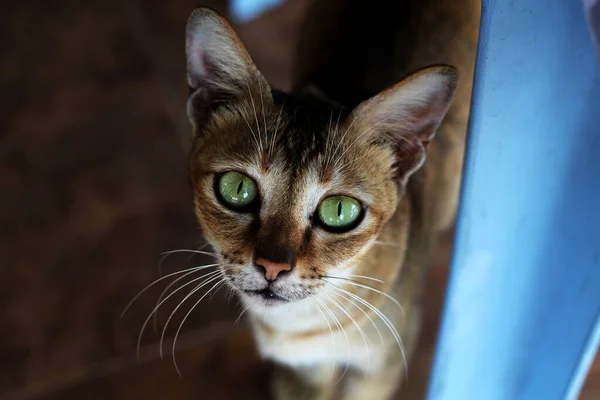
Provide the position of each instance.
(290, 188)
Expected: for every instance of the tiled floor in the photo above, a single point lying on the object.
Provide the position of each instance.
(93, 140)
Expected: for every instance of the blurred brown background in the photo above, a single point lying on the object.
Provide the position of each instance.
(93, 141)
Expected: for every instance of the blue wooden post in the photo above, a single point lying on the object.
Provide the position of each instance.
(246, 10)
(522, 313)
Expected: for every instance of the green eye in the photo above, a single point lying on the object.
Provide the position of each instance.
(339, 211)
(237, 190)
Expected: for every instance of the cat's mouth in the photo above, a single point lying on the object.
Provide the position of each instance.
(266, 294)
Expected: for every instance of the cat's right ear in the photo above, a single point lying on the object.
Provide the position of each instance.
(219, 68)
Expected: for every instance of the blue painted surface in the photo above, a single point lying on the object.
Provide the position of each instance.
(247, 10)
(592, 8)
(522, 314)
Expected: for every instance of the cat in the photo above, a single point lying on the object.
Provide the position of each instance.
(319, 201)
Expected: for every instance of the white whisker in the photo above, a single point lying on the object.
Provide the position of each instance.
(337, 123)
(199, 249)
(190, 294)
(255, 116)
(326, 321)
(354, 160)
(230, 294)
(254, 136)
(341, 140)
(168, 253)
(239, 318)
(360, 136)
(337, 322)
(262, 105)
(331, 155)
(329, 141)
(221, 282)
(366, 315)
(367, 277)
(170, 285)
(351, 282)
(251, 130)
(358, 327)
(274, 140)
(193, 269)
(386, 243)
(385, 320)
(336, 130)
(330, 329)
(162, 302)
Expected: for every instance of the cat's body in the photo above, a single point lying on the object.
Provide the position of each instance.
(342, 298)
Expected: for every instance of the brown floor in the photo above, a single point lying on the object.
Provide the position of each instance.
(93, 141)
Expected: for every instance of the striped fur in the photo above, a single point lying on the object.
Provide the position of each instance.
(351, 304)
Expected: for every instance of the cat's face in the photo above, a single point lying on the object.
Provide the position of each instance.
(290, 189)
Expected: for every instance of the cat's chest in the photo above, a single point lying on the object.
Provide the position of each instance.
(320, 343)
(315, 347)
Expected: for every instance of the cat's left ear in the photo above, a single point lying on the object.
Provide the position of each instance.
(407, 115)
(219, 68)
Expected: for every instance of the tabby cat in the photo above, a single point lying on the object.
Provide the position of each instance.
(319, 202)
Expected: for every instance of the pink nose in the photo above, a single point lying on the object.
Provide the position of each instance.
(272, 269)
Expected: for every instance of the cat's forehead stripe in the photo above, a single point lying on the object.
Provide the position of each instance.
(326, 174)
(307, 126)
